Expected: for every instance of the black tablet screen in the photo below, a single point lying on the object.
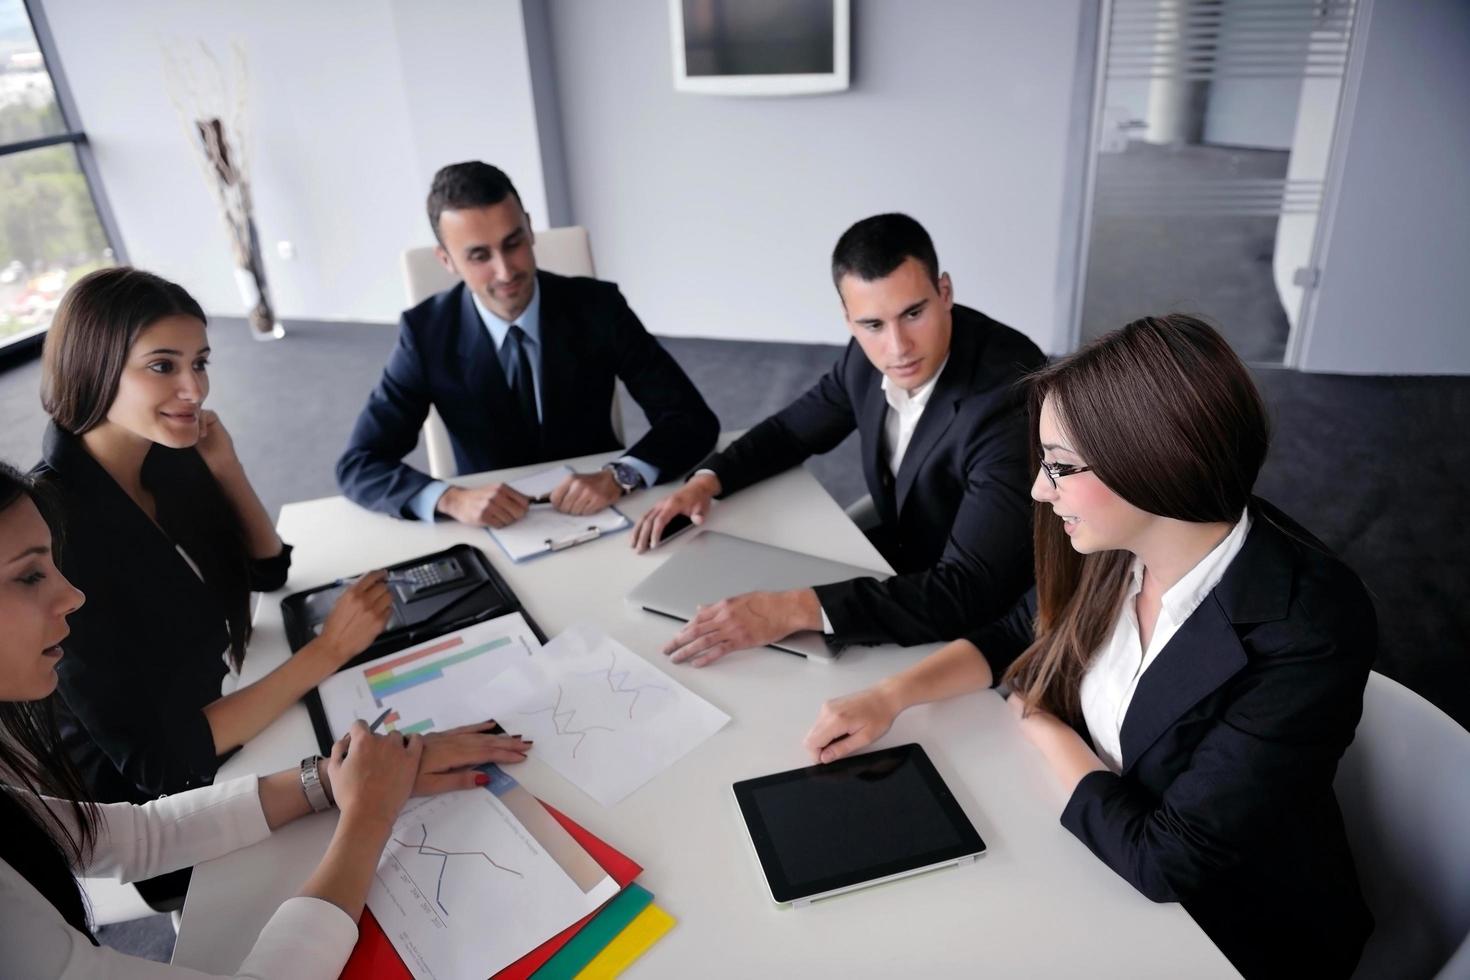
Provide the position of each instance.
(864, 817)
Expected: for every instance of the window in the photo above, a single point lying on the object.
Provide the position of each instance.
(52, 227)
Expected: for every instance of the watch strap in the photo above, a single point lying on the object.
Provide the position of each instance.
(311, 784)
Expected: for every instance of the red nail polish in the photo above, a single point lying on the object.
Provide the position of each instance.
(481, 779)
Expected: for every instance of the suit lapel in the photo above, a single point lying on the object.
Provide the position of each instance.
(1206, 651)
(1201, 656)
(557, 379)
(875, 467)
(943, 405)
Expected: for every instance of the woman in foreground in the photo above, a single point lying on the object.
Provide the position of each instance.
(49, 830)
(1191, 662)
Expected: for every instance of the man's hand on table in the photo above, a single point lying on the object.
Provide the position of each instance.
(744, 621)
(496, 505)
(586, 493)
(692, 500)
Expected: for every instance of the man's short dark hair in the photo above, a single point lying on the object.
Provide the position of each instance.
(467, 185)
(874, 247)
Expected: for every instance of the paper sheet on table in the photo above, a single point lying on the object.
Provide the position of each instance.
(602, 716)
(471, 881)
(425, 684)
(544, 528)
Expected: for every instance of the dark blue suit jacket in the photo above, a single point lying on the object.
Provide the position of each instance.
(445, 358)
(956, 519)
(1230, 746)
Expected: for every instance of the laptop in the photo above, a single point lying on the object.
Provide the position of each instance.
(714, 566)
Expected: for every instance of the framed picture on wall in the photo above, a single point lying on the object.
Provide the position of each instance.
(760, 47)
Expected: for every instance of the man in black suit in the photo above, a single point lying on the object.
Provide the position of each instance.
(931, 389)
(521, 365)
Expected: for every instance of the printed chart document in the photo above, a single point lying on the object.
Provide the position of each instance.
(600, 715)
(425, 684)
(545, 529)
(472, 881)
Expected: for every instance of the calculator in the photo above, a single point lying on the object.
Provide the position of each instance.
(429, 578)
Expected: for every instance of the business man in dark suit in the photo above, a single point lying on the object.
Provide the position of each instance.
(931, 389)
(521, 365)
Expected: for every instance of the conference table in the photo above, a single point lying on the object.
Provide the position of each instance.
(1037, 904)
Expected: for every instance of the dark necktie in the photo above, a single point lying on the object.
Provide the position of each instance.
(518, 375)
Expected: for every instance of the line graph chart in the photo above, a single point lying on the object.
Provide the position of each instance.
(618, 681)
(423, 847)
(561, 719)
(601, 715)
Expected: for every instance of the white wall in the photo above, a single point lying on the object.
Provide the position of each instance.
(717, 216)
(353, 106)
(1394, 296)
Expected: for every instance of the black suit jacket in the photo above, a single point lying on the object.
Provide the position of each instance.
(445, 358)
(1230, 746)
(957, 519)
(145, 653)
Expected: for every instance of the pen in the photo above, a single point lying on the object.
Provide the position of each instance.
(379, 720)
(392, 578)
(372, 729)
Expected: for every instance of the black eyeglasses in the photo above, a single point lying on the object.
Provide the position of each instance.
(1055, 471)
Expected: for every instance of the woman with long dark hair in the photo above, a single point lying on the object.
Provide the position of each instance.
(49, 827)
(1191, 662)
(168, 538)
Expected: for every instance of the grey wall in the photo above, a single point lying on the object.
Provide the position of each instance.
(352, 106)
(717, 215)
(1394, 296)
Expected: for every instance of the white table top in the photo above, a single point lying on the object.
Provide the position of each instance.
(1036, 904)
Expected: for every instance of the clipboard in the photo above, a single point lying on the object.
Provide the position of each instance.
(545, 530)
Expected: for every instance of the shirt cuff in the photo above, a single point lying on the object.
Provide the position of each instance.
(649, 473)
(422, 504)
(307, 938)
(826, 623)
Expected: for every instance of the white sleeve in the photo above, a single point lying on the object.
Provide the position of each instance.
(307, 938)
(172, 832)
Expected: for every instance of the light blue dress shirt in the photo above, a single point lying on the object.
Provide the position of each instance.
(423, 503)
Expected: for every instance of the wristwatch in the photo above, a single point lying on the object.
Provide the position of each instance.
(627, 478)
(312, 786)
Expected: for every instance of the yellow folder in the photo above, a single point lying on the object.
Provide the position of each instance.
(628, 945)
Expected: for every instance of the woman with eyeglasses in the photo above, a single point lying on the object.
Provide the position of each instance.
(51, 829)
(1191, 662)
(167, 536)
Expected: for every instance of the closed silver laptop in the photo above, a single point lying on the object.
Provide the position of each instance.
(714, 566)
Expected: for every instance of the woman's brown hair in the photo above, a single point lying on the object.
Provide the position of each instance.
(87, 345)
(1169, 419)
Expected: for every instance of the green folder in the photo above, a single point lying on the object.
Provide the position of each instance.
(595, 935)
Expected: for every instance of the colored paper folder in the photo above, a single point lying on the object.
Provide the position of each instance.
(641, 933)
(373, 958)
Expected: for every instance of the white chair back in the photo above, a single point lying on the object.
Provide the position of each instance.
(565, 251)
(1404, 787)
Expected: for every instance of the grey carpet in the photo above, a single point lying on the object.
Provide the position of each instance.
(1376, 466)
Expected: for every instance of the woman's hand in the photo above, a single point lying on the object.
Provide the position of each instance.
(373, 781)
(357, 618)
(849, 723)
(1067, 755)
(215, 445)
(450, 757)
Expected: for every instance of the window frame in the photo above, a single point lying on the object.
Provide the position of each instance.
(72, 134)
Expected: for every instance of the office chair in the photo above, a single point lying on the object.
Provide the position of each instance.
(566, 251)
(1404, 788)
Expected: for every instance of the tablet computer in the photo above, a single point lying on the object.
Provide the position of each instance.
(859, 821)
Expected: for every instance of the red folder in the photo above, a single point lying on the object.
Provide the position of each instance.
(373, 958)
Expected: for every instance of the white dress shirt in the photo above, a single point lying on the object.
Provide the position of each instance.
(307, 938)
(1108, 686)
(902, 418)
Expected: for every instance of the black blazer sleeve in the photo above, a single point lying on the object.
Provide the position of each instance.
(269, 574)
(1003, 641)
(813, 424)
(1274, 749)
(682, 429)
(986, 559)
(371, 472)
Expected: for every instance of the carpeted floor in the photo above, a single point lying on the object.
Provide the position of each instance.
(1376, 466)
